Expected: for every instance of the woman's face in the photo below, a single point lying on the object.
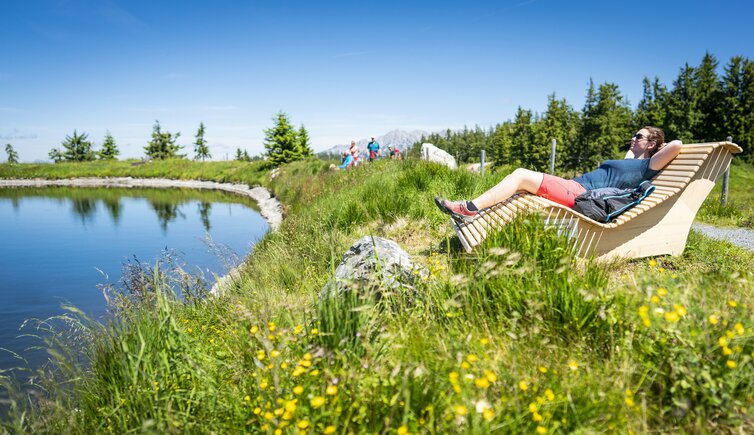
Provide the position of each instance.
(640, 142)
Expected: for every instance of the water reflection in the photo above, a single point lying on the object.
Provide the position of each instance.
(168, 205)
(59, 244)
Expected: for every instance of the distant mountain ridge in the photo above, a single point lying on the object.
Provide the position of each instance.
(397, 138)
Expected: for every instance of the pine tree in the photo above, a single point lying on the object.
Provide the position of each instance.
(246, 157)
(652, 107)
(281, 141)
(109, 150)
(304, 143)
(501, 146)
(746, 139)
(77, 149)
(522, 137)
(583, 157)
(162, 145)
(56, 156)
(12, 155)
(683, 115)
(201, 150)
(708, 95)
(559, 122)
(239, 155)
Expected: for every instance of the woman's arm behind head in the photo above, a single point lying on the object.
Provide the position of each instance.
(665, 155)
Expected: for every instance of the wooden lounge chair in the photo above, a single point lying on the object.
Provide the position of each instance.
(659, 225)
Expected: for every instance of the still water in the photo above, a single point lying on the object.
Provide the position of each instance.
(58, 244)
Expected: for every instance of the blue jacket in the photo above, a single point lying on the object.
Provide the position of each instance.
(347, 162)
(373, 146)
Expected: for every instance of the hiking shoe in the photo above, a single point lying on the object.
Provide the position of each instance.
(456, 209)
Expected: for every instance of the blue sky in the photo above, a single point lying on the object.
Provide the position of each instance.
(346, 70)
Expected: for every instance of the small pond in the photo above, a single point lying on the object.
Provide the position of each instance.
(60, 244)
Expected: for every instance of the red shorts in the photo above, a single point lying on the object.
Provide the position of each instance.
(560, 190)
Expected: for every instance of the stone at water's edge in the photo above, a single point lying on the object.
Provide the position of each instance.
(433, 154)
(376, 264)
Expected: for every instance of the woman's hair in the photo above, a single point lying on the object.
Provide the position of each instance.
(657, 136)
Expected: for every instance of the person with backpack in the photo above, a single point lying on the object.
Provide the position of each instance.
(374, 149)
(647, 155)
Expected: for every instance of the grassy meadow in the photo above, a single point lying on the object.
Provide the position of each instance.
(517, 337)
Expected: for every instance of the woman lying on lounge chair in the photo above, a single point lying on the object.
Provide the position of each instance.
(647, 156)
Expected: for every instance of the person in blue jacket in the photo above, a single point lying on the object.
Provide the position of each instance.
(374, 149)
(346, 163)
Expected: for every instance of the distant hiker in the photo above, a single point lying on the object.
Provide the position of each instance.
(354, 152)
(647, 156)
(346, 162)
(374, 149)
(394, 153)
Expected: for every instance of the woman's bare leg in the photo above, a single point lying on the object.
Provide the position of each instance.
(518, 180)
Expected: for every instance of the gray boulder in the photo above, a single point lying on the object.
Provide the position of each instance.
(377, 265)
(433, 154)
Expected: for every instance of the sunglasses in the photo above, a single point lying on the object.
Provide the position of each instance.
(639, 136)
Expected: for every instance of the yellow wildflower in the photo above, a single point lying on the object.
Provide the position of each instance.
(314, 373)
(722, 341)
(460, 410)
(731, 364)
(541, 430)
(465, 365)
(549, 395)
(257, 410)
(271, 326)
(727, 351)
(332, 390)
(533, 407)
(314, 331)
(253, 330)
(268, 415)
(730, 334)
(453, 376)
(492, 377)
(260, 355)
(283, 365)
(330, 430)
(482, 383)
(536, 417)
(712, 319)
(488, 414)
(573, 365)
(263, 384)
(680, 310)
(298, 389)
(655, 299)
(523, 385)
(672, 317)
(297, 330)
(303, 424)
(247, 398)
(739, 328)
(275, 353)
(543, 369)
(307, 356)
(652, 263)
(733, 304)
(290, 405)
(630, 402)
(661, 292)
(484, 341)
(317, 402)
(298, 371)
(472, 358)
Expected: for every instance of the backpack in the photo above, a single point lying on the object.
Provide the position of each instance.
(604, 205)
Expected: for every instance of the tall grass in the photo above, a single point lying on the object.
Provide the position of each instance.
(518, 337)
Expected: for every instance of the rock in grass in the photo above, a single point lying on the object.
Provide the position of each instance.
(433, 154)
(377, 265)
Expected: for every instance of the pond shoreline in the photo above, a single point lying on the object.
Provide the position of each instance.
(269, 206)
